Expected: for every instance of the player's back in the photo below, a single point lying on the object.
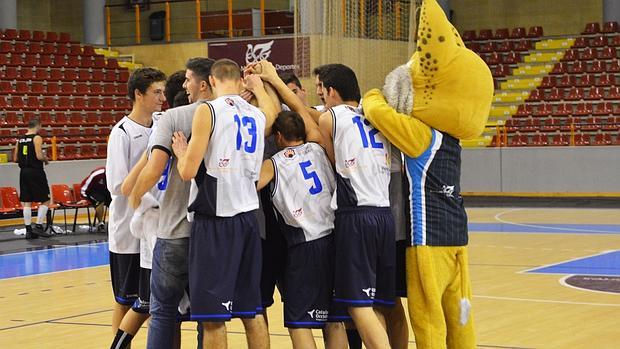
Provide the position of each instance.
(362, 160)
(302, 191)
(227, 183)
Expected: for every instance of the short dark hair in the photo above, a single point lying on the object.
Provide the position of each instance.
(290, 125)
(34, 122)
(180, 99)
(174, 84)
(201, 67)
(289, 77)
(141, 79)
(226, 69)
(341, 78)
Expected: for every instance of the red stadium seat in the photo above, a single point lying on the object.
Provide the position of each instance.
(102, 150)
(62, 49)
(574, 94)
(599, 41)
(615, 41)
(469, 35)
(563, 109)
(582, 139)
(559, 68)
(123, 75)
(10, 34)
(614, 93)
(71, 75)
(523, 111)
(547, 82)
(91, 119)
(560, 140)
(20, 47)
(566, 81)
(493, 58)
(99, 62)
(603, 109)
(535, 95)
(555, 94)
(580, 42)
(535, 32)
(592, 28)
(97, 75)
(588, 54)
(24, 35)
(38, 35)
(583, 109)
(597, 67)
(6, 87)
(501, 33)
(523, 45)
(606, 80)
(49, 48)
(112, 64)
(35, 47)
(512, 58)
(585, 80)
(504, 46)
(608, 53)
(67, 88)
(82, 88)
(10, 200)
(602, 139)
(95, 87)
(501, 70)
(570, 55)
(64, 38)
(610, 27)
(576, 68)
(614, 66)
(518, 33)
(51, 37)
(540, 140)
(543, 110)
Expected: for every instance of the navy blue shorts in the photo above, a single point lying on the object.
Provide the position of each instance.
(309, 283)
(224, 268)
(401, 271)
(274, 254)
(142, 305)
(365, 257)
(125, 275)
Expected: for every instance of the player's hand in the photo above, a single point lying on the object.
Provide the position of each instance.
(252, 68)
(268, 71)
(253, 82)
(179, 144)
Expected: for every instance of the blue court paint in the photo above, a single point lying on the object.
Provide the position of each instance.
(53, 260)
(545, 228)
(606, 264)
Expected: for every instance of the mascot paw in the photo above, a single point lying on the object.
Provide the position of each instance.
(398, 89)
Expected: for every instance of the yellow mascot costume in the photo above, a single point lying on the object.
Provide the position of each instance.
(441, 95)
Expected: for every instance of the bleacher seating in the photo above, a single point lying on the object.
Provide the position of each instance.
(577, 103)
(63, 83)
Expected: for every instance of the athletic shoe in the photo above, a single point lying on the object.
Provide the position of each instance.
(40, 231)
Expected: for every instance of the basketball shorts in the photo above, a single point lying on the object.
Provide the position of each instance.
(141, 304)
(33, 186)
(125, 274)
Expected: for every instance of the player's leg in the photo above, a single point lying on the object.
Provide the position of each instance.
(335, 336)
(398, 330)
(302, 338)
(370, 328)
(137, 315)
(214, 335)
(125, 273)
(353, 336)
(27, 213)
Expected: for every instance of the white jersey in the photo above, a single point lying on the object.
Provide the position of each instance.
(362, 160)
(302, 190)
(128, 141)
(227, 184)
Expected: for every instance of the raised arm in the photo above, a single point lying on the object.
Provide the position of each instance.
(407, 133)
(191, 154)
(254, 84)
(267, 172)
(326, 128)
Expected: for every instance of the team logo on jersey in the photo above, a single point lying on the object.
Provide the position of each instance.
(223, 162)
(229, 101)
(370, 292)
(289, 153)
(228, 305)
(298, 213)
(350, 163)
(258, 52)
(318, 314)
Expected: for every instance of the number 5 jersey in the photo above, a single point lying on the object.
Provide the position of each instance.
(301, 192)
(362, 160)
(227, 178)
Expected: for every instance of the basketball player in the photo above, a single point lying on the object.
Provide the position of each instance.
(127, 143)
(364, 226)
(33, 187)
(169, 276)
(144, 223)
(94, 188)
(225, 253)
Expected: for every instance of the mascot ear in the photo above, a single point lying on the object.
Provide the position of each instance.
(398, 89)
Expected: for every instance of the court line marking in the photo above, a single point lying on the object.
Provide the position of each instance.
(89, 245)
(568, 230)
(563, 282)
(53, 272)
(531, 270)
(58, 319)
(534, 300)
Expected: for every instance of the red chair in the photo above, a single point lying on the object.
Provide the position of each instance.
(595, 94)
(555, 95)
(91, 119)
(591, 124)
(64, 197)
(16, 60)
(614, 93)
(523, 111)
(38, 35)
(123, 75)
(99, 61)
(10, 200)
(62, 49)
(112, 64)
(535, 96)
(543, 110)
(610, 27)
(517, 33)
(583, 109)
(56, 75)
(82, 89)
(560, 140)
(17, 102)
(535, 32)
(547, 82)
(582, 139)
(518, 141)
(41, 74)
(10, 118)
(6, 47)
(587, 54)
(86, 62)
(599, 41)
(121, 90)
(607, 53)
(493, 58)
(501, 71)
(107, 118)
(531, 125)
(614, 67)
(48, 103)
(585, 80)
(73, 62)
(87, 152)
(602, 139)
(46, 118)
(71, 75)
(592, 28)
(603, 109)
(59, 61)
(550, 125)
(110, 76)
(486, 47)
(10, 34)
(35, 47)
(504, 46)
(574, 94)
(611, 124)
(512, 58)
(523, 45)
(566, 81)
(6, 88)
(64, 38)
(597, 67)
(98, 75)
(49, 48)
(51, 37)
(95, 88)
(24, 35)
(469, 35)
(559, 68)
(563, 109)
(94, 103)
(67, 88)
(102, 151)
(83, 75)
(501, 33)
(540, 140)
(78, 103)
(570, 55)
(580, 42)
(20, 47)
(606, 80)
(76, 118)
(615, 41)
(567, 125)
(576, 68)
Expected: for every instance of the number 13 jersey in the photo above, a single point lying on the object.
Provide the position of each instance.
(227, 178)
(362, 160)
(302, 190)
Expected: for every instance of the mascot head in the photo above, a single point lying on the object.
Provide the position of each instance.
(450, 88)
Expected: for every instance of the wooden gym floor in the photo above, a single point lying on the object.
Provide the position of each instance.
(522, 266)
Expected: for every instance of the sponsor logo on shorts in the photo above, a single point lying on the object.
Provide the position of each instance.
(298, 213)
(350, 163)
(223, 162)
(228, 305)
(370, 292)
(318, 314)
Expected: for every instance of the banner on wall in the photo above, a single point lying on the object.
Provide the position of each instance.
(280, 51)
